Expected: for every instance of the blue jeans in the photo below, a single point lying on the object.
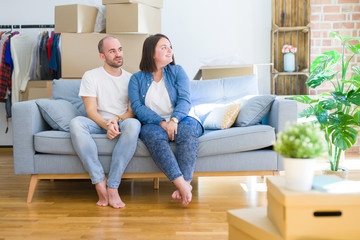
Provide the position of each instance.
(81, 129)
(186, 141)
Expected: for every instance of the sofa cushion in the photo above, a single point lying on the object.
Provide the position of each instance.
(205, 91)
(222, 117)
(213, 142)
(206, 95)
(254, 110)
(69, 90)
(235, 139)
(57, 113)
(59, 142)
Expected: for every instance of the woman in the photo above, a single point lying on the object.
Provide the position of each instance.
(160, 98)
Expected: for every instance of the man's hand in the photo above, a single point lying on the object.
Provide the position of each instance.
(170, 128)
(112, 128)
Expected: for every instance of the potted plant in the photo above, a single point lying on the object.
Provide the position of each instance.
(336, 111)
(299, 144)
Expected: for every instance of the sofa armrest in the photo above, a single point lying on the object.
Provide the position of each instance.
(26, 121)
(282, 111)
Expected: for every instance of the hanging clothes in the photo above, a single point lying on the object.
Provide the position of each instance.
(44, 60)
(58, 57)
(33, 68)
(22, 48)
(54, 60)
(5, 74)
(38, 71)
(4, 37)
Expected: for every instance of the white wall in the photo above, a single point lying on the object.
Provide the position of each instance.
(201, 31)
(205, 30)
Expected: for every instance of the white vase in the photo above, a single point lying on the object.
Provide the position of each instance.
(299, 173)
(289, 62)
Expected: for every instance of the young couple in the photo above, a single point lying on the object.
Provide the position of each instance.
(116, 102)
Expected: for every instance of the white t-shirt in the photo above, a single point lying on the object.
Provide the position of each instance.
(157, 99)
(111, 92)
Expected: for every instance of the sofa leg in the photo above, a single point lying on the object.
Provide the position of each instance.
(33, 182)
(262, 178)
(276, 173)
(156, 183)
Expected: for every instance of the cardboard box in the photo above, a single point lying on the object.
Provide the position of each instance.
(313, 214)
(224, 71)
(250, 224)
(132, 17)
(79, 52)
(36, 89)
(152, 3)
(75, 18)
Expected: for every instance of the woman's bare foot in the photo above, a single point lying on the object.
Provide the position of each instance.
(176, 194)
(114, 198)
(184, 189)
(102, 193)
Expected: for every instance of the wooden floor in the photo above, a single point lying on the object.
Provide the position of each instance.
(66, 210)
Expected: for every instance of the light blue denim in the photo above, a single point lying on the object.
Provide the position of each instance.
(81, 129)
(186, 141)
(177, 85)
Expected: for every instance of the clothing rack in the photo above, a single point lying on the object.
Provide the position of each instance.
(27, 26)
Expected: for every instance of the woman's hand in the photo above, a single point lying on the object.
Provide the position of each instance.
(112, 128)
(170, 128)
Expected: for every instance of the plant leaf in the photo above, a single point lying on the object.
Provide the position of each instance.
(316, 80)
(344, 137)
(357, 117)
(355, 49)
(354, 97)
(321, 115)
(328, 104)
(308, 112)
(340, 98)
(336, 35)
(354, 80)
(356, 69)
(303, 99)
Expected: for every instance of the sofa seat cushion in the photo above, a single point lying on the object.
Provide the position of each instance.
(235, 139)
(59, 142)
(215, 142)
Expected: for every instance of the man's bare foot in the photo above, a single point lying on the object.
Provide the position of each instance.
(114, 198)
(102, 193)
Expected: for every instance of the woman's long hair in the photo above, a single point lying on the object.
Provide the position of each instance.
(147, 63)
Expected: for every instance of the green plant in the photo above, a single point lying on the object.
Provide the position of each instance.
(303, 140)
(336, 111)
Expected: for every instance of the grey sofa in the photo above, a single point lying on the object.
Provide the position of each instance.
(45, 153)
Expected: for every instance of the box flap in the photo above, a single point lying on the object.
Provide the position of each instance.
(224, 71)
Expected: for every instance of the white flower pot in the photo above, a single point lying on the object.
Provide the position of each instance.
(299, 173)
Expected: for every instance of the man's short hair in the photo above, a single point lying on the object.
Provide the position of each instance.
(101, 43)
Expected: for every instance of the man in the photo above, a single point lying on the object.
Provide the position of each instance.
(104, 91)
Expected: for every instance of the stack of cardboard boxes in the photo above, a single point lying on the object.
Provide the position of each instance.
(130, 21)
